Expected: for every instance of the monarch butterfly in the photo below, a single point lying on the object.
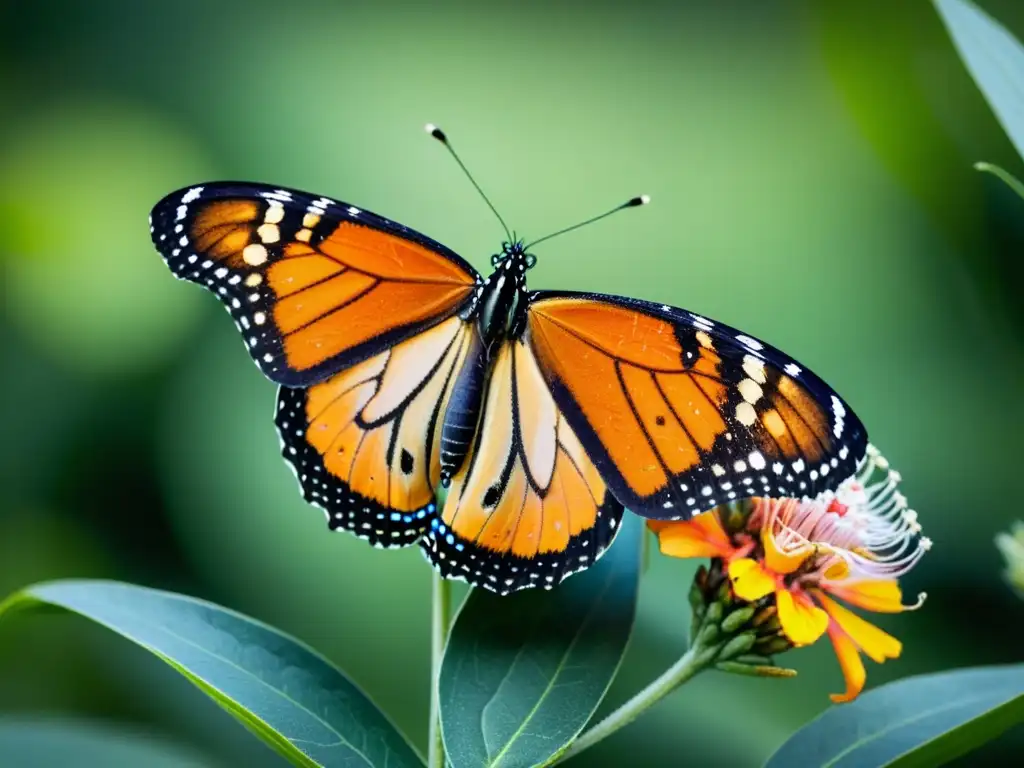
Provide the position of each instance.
(543, 413)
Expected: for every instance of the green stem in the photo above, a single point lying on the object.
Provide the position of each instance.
(440, 619)
(696, 659)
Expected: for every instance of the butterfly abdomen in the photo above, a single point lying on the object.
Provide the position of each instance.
(498, 313)
(463, 411)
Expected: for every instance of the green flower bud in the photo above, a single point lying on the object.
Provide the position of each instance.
(737, 646)
(766, 670)
(709, 633)
(735, 620)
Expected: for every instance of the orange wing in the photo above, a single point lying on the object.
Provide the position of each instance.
(365, 443)
(528, 506)
(313, 285)
(681, 414)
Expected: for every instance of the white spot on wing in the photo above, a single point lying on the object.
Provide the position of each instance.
(702, 322)
(274, 213)
(750, 390)
(749, 342)
(745, 414)
(254, 254)
(837, 406)
(754, 368)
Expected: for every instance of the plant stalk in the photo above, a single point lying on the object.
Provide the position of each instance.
(696, 659)
(441, 606)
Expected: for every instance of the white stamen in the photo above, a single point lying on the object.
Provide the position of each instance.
(865, 523)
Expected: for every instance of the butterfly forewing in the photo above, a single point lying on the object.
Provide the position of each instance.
(314, 285)
(528, 507)
(681, 414)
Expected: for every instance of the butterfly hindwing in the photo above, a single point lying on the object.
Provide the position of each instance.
(681, 414)
(365, 443)
(528, 507)
(314, 285)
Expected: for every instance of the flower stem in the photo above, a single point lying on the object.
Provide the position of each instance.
(440, 619)
(696, 659)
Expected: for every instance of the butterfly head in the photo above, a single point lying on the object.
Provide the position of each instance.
(513, 257)
(503, 299)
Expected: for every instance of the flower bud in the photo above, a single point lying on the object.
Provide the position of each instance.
(754, 670)
(737, 619)
(696, 596)
(772, 645)
(713, 615)
(739, 645)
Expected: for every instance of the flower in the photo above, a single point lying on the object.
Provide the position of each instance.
(798, 555)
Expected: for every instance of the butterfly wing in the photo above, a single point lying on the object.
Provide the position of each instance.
(681, 414)
(365, 443)
(528, 507)
(314, 285)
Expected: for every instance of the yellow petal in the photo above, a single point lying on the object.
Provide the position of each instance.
(801, 620)
(750, 581)
(879, 595)
(840, 569)
(703, 536)
(873, 641)
(779, 561)
(851, 664)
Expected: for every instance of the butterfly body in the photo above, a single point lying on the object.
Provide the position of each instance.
(498, 314)
(462, 414)
(545, 414)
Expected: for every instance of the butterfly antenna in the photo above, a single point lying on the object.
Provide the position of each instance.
(438, 134)
(631, 203)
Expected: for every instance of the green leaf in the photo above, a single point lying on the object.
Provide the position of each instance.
(36, 743)
(921, 721)
(283, 691)
(1009, 179)
(995, 60)
(523, 674)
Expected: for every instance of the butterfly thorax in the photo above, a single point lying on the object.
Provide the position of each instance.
(500, 310)
(499, 314)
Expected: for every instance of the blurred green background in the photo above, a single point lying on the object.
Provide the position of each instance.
(810, 166)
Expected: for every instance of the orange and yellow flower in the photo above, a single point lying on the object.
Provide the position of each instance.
(853, 544)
